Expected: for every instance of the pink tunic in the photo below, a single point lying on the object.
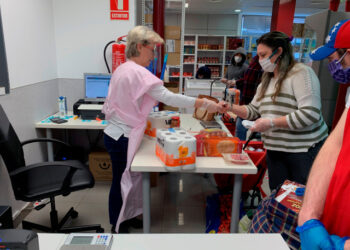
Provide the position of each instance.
(128, 100)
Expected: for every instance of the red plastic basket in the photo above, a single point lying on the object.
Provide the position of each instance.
(225, 181)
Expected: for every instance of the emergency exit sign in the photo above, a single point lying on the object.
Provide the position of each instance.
(119, 9)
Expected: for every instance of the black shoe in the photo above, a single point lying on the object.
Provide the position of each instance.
(123, 229)
(135, 223)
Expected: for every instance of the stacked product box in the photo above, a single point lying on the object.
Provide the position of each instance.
(176, 149)
(159, 120)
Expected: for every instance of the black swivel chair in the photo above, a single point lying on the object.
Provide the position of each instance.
(43, 180)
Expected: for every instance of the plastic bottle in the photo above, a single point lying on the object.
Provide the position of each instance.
(62, 106)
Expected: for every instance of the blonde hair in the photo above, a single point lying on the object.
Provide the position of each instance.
(140, 35)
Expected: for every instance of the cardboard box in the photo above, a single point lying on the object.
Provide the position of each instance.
(100, 166)
(298, 30)
(172, 45)
(148, 18)
(173, 59)
(291, 200)
(172, 32)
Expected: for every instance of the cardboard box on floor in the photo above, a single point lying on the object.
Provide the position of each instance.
(101, 168)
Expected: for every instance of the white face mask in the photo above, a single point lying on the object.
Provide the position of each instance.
(267, 65)
(238, 59)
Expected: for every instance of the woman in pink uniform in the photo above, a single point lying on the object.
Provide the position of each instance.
(132, 93)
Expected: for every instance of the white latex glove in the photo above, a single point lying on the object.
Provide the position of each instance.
(209, 105)
(262, 125)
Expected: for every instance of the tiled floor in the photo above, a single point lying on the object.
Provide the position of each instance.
(177, 205)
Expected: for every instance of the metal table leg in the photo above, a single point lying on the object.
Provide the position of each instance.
(49, 145)
(146, 196)
(237, 189)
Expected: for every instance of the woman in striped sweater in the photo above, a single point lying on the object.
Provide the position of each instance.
(287, 110)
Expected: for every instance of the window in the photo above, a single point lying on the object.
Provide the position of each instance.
(255, 25)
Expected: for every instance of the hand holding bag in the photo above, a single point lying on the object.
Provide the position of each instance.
(203, 114)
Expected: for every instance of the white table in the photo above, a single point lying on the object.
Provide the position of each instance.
(72, 123)
(180, 241)
(145, 161)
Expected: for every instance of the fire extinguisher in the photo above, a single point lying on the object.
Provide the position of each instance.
(118, 53)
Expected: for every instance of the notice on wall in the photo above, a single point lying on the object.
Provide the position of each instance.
(119, 9)
(170, 45)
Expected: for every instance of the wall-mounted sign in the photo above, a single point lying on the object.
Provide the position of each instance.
(120, 9)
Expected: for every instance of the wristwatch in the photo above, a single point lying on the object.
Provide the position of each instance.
(272, 123)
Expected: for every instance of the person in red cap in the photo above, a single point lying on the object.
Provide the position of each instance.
(324, 219)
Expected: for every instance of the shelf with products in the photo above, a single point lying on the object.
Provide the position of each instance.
(214, 51)
(302, 47)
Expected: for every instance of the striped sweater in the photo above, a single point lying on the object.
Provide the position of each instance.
(299, 100)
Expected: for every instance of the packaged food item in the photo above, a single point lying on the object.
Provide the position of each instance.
(176, 149)
(287, 196)
(175, 122)
(215, 147)
(236, 158)
(213, 133)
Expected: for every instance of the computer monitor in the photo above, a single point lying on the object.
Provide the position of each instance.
(96, 85)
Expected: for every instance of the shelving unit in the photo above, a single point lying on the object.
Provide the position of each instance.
(302, 47)
(214, 51)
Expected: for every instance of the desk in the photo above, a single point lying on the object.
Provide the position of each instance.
(180, 241)
(71, 124)
(145, 161)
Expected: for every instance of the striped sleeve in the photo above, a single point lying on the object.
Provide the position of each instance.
(253, 106)
(306, 88)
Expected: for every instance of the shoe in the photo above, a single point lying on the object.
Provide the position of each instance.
(135, 223)
(123, 229)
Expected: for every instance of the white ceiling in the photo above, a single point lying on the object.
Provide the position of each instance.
(258, 7)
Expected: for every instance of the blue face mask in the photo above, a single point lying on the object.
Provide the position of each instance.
(338, 73)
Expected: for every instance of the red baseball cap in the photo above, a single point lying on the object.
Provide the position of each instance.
(342, 41)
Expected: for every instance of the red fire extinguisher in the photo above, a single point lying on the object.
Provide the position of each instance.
(118, 53)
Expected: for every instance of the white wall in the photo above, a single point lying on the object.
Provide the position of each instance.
(82, 29)
(35, 31)
(29, 41)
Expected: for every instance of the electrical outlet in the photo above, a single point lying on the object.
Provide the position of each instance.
(2, 91)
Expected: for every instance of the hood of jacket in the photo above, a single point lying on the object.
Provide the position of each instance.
(241, 51)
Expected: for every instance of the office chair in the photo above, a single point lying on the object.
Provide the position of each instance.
(43, 180)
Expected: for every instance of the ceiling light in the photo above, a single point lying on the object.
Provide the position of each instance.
(186, 5)
(238, 10)
(215, 1)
